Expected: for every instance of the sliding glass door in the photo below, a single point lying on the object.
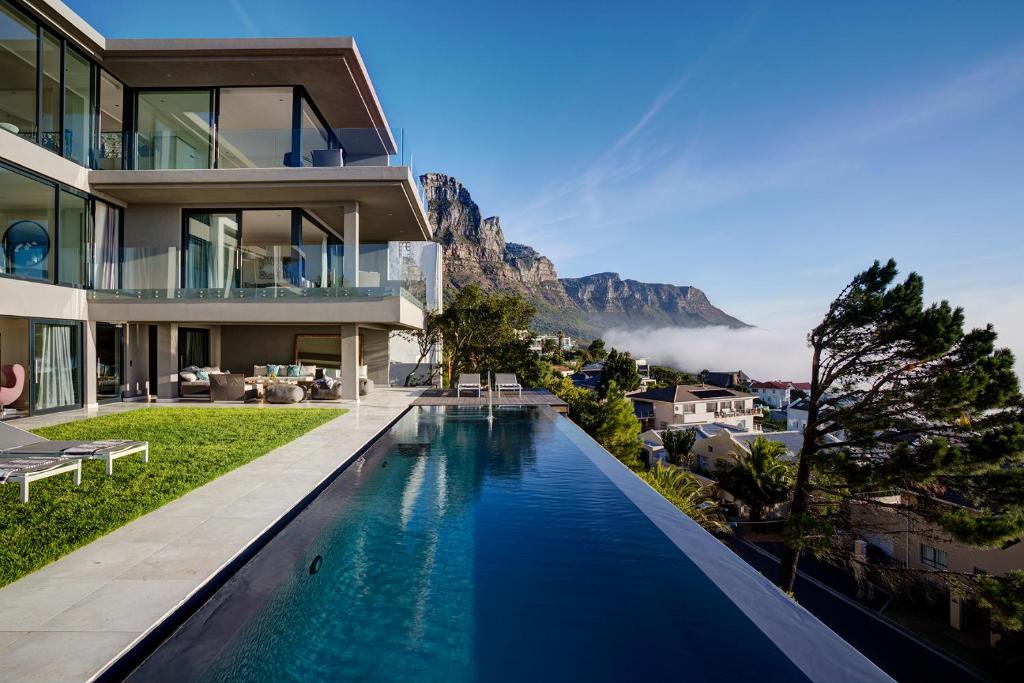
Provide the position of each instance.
(109, 361)
(211, 250)
(56, 365)
(193, 347)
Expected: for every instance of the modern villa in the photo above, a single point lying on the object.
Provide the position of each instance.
(222, 218)
(225, 204)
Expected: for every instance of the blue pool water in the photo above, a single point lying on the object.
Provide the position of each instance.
(455, 550)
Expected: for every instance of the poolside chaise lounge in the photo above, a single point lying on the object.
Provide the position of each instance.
(24, 471)
(508, 382)
(19, 444)
(468, 382)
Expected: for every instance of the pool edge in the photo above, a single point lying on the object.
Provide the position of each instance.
(132, 657)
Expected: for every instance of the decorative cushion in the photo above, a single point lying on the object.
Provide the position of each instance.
(307, 371)
(284, 393)
(187, 376)
(259, 371)
(203, 375)
(274, 370)
(293, 370)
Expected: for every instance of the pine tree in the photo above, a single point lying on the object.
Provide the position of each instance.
(902, 398)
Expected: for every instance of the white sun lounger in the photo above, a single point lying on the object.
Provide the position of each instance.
(24, 471)
(469, 382)
(508, 382)
(18, 443)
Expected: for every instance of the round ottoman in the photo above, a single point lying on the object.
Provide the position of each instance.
(284, 393)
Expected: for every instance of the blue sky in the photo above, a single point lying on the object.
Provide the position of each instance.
(762, 151)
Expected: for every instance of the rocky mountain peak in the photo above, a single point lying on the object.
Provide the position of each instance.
(475, 252)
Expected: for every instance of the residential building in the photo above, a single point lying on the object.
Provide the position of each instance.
(168, 203)
(589, 376)
(796, 415)
(726, 379)
(775, 394)
(643, 366)
(694, 405)
(561, 342)
(911, 541)
(717, 442)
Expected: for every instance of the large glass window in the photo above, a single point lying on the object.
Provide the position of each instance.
(110, 153)
(17, 72)
(27, 226)
(72, 234)
(109, 350)
(211, 250)
(78, 106)
(254, 127)
(49, 113)
(173, 129)
(315, 138)
(57, 367)
(193, 347)
(106, 246)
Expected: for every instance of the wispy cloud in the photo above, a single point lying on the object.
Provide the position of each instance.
(641, 179)
(245, 18)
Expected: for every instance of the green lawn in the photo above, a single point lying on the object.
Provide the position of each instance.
(187, 448)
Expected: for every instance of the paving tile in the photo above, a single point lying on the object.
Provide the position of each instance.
(56, 657)
(122, 605)
(101, 559)
(182, 561)
(35, 600)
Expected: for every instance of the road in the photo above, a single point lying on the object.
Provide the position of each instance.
(899, 654)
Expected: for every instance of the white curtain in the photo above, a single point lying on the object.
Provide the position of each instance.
(55, 371)
(108, 242)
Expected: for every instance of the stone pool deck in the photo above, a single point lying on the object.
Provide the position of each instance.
(71, 619)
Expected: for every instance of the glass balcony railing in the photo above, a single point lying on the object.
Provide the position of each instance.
(201, 148)
(278, 271)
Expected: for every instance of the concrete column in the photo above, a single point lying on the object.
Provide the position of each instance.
(89, 363)
(351, 237)
(167, 360)
(216, 359)
(350, 361)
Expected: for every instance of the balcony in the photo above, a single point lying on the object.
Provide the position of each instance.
(396, 282)
(205, 148)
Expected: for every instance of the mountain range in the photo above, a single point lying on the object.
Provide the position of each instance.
(475, 252)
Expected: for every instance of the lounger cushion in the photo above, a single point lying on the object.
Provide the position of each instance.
(196, 383)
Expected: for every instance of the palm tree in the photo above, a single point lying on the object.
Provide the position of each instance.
(678, 444)
(684, 490)
(759, 477)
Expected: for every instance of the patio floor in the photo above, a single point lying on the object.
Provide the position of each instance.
(530, 397)
(71, 619)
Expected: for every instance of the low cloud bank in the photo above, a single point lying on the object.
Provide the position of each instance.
(762, 354)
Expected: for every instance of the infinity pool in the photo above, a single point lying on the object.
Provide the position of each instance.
(455, 549)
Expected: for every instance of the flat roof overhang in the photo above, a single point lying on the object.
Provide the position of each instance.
(330, 69)
(386, 311)
(389, 204)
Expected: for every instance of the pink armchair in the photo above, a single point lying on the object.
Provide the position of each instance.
(13, 384)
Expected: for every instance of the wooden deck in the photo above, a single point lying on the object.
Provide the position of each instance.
(530, 397)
